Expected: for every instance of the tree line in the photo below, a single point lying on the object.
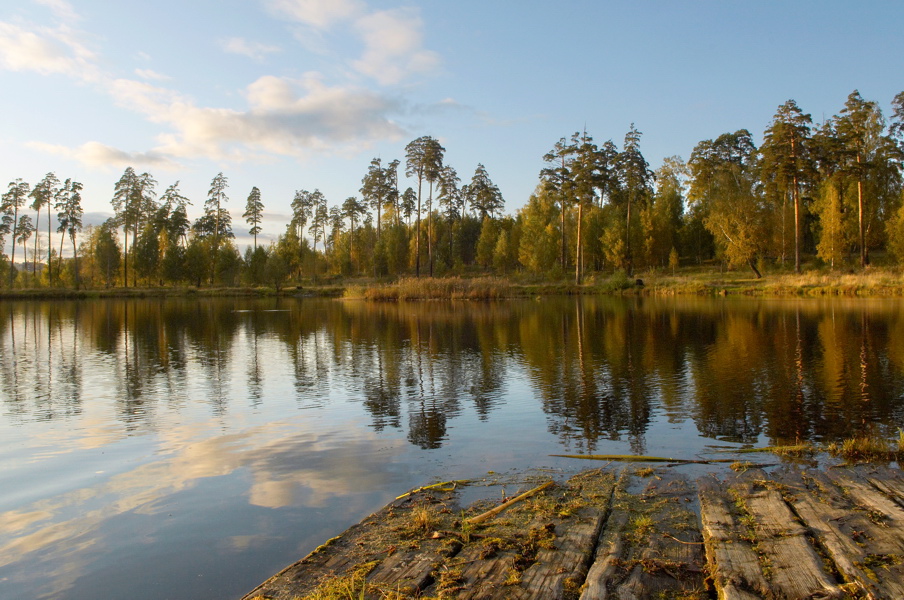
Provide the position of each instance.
(830, 191)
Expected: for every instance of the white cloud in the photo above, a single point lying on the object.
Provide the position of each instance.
(316, 13)
(284, 117)
(393, 39)
(393, 46)
(61, 8)
(243, 47)
(46, 50)
(151, 75)
(96, 154)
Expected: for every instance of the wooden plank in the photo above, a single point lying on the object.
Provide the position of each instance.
(410, 572)
(561, 571)
(868, 497)
(651, 546)
(670, 560)
(538, 549)
(371, 541)
(609, 553)
(792, 566)
(487, 578)
(761, 536)
(888, 481)
(845, 533)
(734, 566)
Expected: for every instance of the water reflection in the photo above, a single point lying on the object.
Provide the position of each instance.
(228, 437)
(286, 464)
(599, 368)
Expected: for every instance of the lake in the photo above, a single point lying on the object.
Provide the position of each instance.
(190, 448)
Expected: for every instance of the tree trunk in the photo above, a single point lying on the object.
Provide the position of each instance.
(49, 244)
(564, 207)
(34, 262)
(417, 240)
(12, 259)
(796, 193)
(628, 240)
(75, 261)
(756, 271)
(430, 228)
(864, 260)
(578, 249)
(62, 239)
(125, 258)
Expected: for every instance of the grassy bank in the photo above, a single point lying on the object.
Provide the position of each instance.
(328, 291)
(874, 282)
(704, 281)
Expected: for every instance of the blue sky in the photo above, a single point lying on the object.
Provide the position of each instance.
(302, 94)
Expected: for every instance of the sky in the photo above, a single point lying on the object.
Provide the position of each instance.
(288, 95)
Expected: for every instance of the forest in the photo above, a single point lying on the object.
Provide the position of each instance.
(815, 195)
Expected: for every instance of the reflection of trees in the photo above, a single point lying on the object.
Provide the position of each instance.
(432, 355)
(587, 357)
(602, 368)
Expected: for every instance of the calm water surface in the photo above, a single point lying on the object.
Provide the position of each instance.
(156, 449)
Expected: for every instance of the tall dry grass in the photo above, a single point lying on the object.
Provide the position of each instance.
(441, 288)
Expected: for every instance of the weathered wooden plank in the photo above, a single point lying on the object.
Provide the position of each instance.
(761, 534)
(870, 528)
(668, 559)
(302, 577)
(487, 578)
(371, 541)
(651, 545)
(888, 481)
(734, 566)
(845, 532)
(792, 566)
(410, 572)
(609, 553)
(868, 497)
(562, 570)
(538, 549)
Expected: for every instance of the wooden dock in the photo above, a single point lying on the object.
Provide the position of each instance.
(627, 533)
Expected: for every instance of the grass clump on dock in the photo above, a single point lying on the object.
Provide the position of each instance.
(350, 586)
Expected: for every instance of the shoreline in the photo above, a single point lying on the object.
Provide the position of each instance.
(876, 282)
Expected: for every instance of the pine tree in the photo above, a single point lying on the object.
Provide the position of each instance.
(254, 210)
(11, 201)
(786, 164)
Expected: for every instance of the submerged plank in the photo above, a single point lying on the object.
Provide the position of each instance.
(607, 562)
(483, 577)
(549, 555)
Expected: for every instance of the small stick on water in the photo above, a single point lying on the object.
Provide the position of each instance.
(495, 511)
(633, 458)
(453, 483)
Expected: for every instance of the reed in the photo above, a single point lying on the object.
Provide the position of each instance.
(442, 288)
(867, 449)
